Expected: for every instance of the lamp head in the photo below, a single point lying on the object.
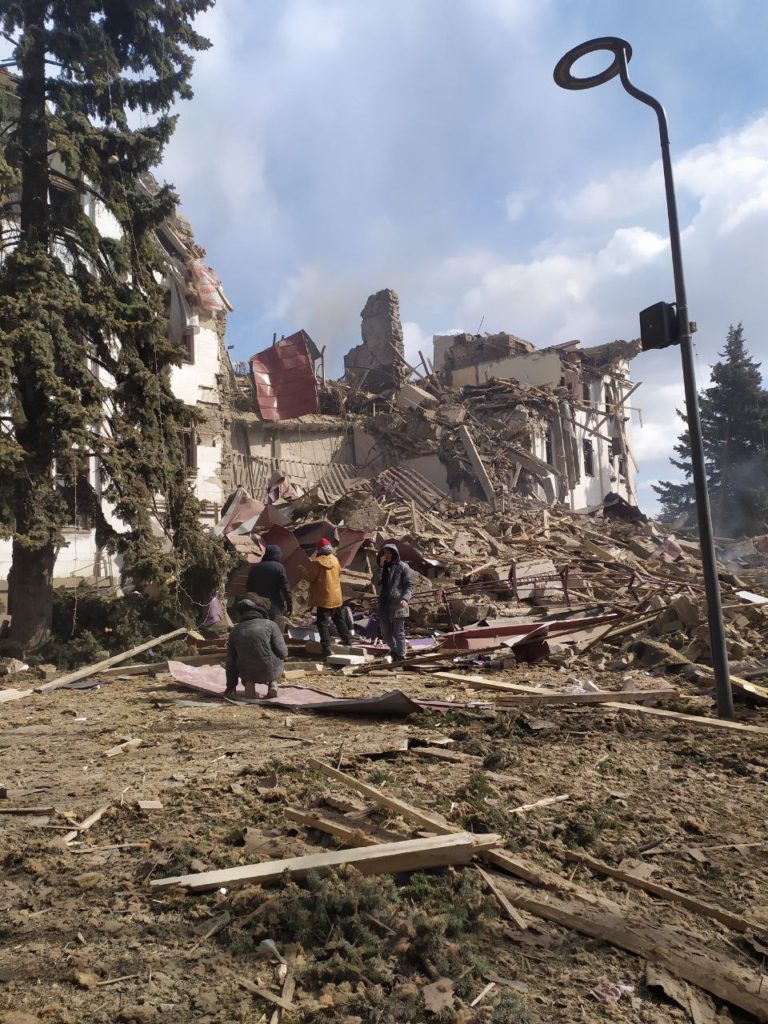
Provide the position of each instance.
(618, 47)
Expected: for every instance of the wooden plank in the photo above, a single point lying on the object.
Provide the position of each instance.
(506, 906)
(264, 993)
(8, 695)
(411, 661)
(481, 683)
(463, 761)
(552, 697)
(433, 822)
(659, 944)
(27, 810)
(526, 870)
(738, 922)
(548, 801)
(678, 716)
(92, 670)
(477, 463)
(124, 747)
(346, 833)
(155, 668)
(409, 855)
(289, 987)
(86, 824)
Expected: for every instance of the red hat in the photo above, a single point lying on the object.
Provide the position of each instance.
(323, 543)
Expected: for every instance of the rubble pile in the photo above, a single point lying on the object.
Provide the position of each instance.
(483, 569)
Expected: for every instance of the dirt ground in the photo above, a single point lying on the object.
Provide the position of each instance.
(84, 939)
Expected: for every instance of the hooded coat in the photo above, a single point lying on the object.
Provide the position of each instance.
(256, 650)
(269, 579)
(324, 575)
(395, 582)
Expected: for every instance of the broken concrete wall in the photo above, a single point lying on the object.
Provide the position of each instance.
(377, 364)
(304, 450)
(536, 368)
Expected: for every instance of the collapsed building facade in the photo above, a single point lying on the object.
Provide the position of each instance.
(489, 417)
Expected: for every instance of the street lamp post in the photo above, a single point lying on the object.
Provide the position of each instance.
(676, 331)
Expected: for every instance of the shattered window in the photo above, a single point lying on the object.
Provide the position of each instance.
(189, 448)
(548, 456)
(72, 481)
(188, 345)
(589, 457)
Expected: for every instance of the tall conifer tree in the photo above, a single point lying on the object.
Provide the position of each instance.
(734, 423)
(85, 354)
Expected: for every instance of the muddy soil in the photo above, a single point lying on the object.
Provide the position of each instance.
(84, 939)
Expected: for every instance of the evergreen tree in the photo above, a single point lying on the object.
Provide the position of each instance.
(85, 353)
(734, 423)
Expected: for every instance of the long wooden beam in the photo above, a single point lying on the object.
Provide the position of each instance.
(678, 716)
(433, 822)
(738, 922)
(498, 686)
(551, 697)
(659, 944)
(409, 855)
(92, 670)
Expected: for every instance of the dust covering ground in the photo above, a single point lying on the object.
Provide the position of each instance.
(84, 939)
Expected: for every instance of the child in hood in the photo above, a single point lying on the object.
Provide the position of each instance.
(324, 575)
(395, 583)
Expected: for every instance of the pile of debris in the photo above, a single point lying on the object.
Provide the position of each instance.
(522, 581)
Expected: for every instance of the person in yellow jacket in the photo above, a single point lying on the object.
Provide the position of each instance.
(324, 575)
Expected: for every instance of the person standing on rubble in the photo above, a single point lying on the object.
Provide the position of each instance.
(324, 575)
(268, 579)
(395, 582)
(256, 651)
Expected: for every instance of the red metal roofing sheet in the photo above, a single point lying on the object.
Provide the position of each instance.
(284, 377)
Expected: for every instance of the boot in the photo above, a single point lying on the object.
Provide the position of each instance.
(326, 652)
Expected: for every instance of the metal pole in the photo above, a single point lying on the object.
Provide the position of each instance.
(706, 537)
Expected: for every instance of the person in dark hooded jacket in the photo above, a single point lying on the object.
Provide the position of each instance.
(395, 583)
(269, 579)
(256, 651)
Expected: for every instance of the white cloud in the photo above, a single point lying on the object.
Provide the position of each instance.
(416, 341)
(512, 14)
(516, 203)
(311, 29)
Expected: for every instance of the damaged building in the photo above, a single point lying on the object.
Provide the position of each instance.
(490, 417)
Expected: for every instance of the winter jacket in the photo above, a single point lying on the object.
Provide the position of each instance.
(324, 575)
(269, 579)
(256, 650)
(395, 582)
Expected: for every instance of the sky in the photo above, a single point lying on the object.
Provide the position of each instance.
(337, 147)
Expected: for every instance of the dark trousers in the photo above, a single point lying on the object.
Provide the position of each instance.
(324, 617)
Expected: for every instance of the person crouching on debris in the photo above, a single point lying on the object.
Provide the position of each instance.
(395, 582)
(256, 651)
(324, 575)
(269, 579)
